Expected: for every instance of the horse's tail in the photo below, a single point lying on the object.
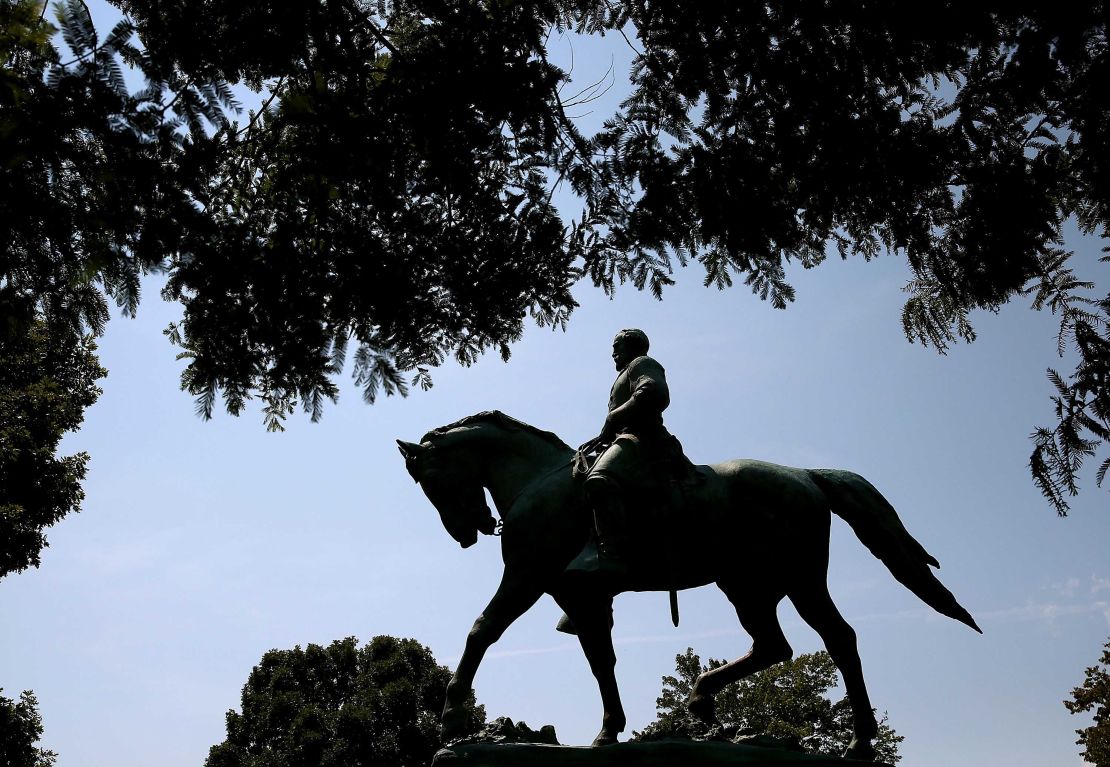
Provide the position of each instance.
(876, 524)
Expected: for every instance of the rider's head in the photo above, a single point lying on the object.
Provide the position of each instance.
(629, 344)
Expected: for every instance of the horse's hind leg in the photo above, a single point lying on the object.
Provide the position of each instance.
(757, 614)
(592, 617)
(818, 610)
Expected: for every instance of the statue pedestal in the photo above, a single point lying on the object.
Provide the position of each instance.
(672, 753)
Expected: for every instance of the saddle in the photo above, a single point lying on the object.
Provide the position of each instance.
(660, 498)
(667, 466)
(654, 501)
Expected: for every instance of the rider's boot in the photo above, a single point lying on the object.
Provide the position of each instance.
(607, 558)
(609, 522)
(605, 553)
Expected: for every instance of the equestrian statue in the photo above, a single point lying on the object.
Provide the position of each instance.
(641, 517)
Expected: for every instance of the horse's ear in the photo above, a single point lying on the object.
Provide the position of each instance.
(411, 451)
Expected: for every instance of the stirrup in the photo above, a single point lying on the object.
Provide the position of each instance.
(587, 560)
(610, 560)
(598, 559)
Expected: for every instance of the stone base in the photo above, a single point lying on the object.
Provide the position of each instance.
(672, 753)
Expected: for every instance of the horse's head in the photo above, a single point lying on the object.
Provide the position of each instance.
(453, 489)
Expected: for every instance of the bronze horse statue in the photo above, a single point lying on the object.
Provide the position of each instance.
(757, 530)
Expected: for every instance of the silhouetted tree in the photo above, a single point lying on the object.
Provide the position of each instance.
(787, 701)
(341, 706)
(1094, 695)
(393, 196)
(47, 379)
(20, 730)
(96, 182)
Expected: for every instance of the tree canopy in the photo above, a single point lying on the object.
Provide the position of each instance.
(393, 196)
(47, 379)
(786, 702)
(20, 731)
(341, 706)
(1094, 696)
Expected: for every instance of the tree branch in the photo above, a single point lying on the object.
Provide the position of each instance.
(374, 29)
(263, 108)
(621, 30)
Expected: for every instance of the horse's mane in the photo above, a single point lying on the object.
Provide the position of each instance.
(497, 418)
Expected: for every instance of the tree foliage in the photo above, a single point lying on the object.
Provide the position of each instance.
(787, 702)
(392, 196)
(763, 133)
(341, 706)
(20, 730)
(47, 379)
(1094, 695)
(98, 181)
(95, 179)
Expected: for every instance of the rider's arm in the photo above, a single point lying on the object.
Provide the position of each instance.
(650, 396)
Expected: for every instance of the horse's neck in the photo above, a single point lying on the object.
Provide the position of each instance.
(516, 463)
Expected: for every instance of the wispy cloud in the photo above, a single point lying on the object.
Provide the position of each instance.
(1074, 586)
(1068, 588)
(1047, 612)
(516, 652)
(131, 556)
(618, 641)
(1071, 594)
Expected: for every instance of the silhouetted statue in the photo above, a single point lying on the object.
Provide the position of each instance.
(758, 530)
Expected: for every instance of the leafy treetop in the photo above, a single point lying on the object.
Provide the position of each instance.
(393, 195)
(341, 706)
(48, 378)
(1094, 695)
(786, 702)
(20, 730)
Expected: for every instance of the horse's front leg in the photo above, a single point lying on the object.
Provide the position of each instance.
(518, 592)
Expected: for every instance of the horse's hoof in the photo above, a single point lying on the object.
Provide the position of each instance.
(703, 707)
(861, 750)
(725, 733)
(452, 724)
(604, 739)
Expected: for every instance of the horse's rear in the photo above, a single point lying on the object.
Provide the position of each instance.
(743, 520)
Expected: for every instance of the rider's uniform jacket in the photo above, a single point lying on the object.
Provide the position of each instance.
(644, 381)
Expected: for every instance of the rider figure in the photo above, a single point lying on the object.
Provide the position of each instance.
(632, 438)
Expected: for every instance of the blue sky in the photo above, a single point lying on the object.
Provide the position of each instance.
(202, 545)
